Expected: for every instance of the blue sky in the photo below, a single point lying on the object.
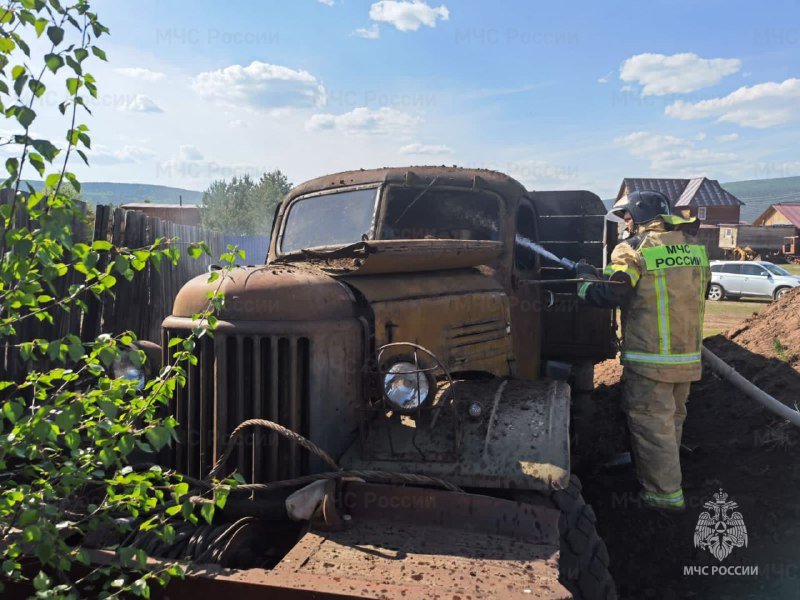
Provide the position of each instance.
(561, 95)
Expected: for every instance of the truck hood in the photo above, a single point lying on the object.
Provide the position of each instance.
(270, 293)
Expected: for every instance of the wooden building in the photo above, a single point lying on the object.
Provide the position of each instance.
(185, 214)
(700, 197)
(780, 214)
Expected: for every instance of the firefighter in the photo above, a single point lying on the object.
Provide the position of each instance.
(661, 277)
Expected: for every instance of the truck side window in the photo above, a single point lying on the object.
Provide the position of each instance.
(524, 257)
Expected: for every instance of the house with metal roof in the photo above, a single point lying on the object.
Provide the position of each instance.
(780, 214)
(700, 197)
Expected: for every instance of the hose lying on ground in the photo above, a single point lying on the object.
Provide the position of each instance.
(729, 374)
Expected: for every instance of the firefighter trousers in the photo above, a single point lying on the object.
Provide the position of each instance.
(656, 411)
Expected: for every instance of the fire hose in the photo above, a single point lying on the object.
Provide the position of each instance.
(729, 374)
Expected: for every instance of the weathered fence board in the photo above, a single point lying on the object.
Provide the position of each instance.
(139, 305)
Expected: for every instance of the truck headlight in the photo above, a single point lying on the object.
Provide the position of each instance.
(125, 369)
(406, 386)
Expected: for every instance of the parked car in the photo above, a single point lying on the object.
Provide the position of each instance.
(734, 279)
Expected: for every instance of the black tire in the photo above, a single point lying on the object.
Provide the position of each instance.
(583, 563)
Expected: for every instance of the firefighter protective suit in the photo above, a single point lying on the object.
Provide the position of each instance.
(663, 274)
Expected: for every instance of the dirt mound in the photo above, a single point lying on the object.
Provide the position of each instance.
(765, 348)
(774, 332)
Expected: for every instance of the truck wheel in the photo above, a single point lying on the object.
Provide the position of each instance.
(715, 292)
(583, 563)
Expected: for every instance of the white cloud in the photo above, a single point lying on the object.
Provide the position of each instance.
(728, 137)
(368, 33)
(659, 74)
(188, 152)
(426, 149)
(382, 121)
(539, 174)
(238, 123)
(199, 173)
(141, 73)
(260, 85)
(140, 103)
(760, 106)
(407, 16)
(327, 2)
(103, 155)
(605, 78)
(675, 156)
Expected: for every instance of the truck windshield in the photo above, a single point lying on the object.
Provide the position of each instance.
(420, 213)
(335, 219)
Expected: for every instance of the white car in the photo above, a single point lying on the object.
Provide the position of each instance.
(734, 279)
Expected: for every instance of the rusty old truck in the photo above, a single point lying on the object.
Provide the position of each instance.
(403, 361)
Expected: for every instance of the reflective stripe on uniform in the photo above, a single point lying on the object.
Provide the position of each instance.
(662, 305)
(583, 288)
(611, 269)
(703, 284)
(674, 499)
(661, 359)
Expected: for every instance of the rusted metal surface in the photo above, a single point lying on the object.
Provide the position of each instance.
(528, 446)
(461, 316)
(408, 256)
(281, 292)
(411, 543)
(507, 189)
(272, 370)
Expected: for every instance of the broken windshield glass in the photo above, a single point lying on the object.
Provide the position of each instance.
(440, 214)
(329, 220)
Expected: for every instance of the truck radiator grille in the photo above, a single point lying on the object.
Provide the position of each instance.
(240, 377)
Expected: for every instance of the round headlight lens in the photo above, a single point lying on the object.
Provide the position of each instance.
(405, 386)
(125, 369)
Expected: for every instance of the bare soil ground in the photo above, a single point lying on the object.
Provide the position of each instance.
(737, 446)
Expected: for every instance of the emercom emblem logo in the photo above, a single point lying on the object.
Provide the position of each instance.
(720, 529)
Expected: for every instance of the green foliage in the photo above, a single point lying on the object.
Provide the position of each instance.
(244, 206)
(70, 428)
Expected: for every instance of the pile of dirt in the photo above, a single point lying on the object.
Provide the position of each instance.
(766, 348)
(774, 332)
(733, 444)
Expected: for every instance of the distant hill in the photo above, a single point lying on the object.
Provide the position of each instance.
(124, 193)
(759, 194)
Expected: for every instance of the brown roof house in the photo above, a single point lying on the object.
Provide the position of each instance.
(785, 213)
(699, 197)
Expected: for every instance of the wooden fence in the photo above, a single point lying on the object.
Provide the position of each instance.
(139, 305)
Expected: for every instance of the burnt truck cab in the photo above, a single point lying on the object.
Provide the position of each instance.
(400, 324)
